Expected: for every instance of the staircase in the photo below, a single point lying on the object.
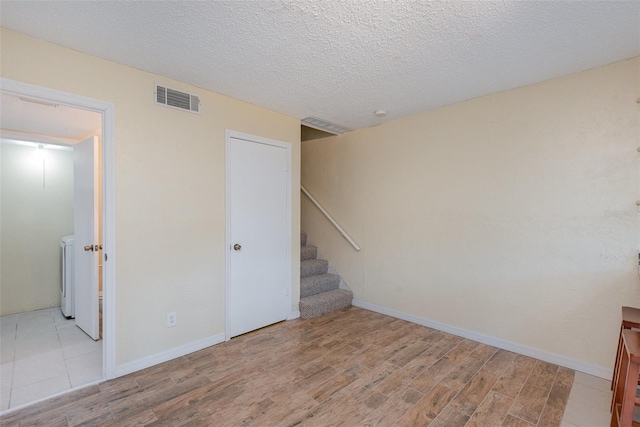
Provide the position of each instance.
(319, 290)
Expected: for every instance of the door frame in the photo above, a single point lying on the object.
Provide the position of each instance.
(229, 134)
(107, 110)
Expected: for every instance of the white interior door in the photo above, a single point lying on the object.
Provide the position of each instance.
(257, 210)
(85, 214)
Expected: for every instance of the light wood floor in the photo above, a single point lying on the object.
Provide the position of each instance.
(350, 368)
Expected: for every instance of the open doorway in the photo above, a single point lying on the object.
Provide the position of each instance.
(39, 130)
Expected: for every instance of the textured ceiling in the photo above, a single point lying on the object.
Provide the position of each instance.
(341, 60)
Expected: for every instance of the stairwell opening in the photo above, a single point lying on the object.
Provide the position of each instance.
(320, 291)
(308, 133)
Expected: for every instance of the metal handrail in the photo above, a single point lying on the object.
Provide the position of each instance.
(330, 218)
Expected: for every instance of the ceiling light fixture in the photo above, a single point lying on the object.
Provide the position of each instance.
(380, 113)
(324, 125)
(41, 154)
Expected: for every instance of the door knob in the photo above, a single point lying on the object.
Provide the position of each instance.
(88, 248)
(237, 247)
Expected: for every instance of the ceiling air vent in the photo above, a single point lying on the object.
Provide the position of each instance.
(177, 99)
(325, 125)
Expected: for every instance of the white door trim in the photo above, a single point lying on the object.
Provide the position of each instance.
(107, 109)
(258, 140)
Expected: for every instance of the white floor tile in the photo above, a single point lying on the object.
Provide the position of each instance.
(593, 397)
(29, 322)
(48, 333)
(8, 332)
(86, 360)
(584, 415)
(7, 351)
(40, 390)
(58, 317)
(36, 314)
(6, 376)
(72, 335)
(32, 329)
(62, 326)
(33, 348)
(78, 349)
(39, 368)
(11, 319)
(86, 375)
(591, 381)
(50, 357)
(5, 395)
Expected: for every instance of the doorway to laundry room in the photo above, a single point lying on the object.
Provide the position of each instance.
(42, 184)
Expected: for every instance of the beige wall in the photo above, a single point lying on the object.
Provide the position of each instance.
(33, 219)
(170, 191)
(511, 215)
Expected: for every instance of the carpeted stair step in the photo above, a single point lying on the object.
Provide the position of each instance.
(308, 252)
(326, 302)
(312, 267)
(319, 291)
(313, 285)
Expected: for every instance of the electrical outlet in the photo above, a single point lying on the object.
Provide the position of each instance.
(172, 319)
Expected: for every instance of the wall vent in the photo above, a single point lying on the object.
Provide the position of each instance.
(177, 99)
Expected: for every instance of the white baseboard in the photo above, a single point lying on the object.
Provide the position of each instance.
(294, 315)
(557, 359)
(167, 355)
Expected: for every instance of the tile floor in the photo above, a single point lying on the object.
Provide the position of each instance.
(589, 401)
(41, 354)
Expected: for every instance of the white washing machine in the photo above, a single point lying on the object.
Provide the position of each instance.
(67, 287)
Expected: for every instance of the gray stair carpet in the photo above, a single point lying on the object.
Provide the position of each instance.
(319, 291)
(311, 267)
(326, 302)
(312, 285)
(308, 252)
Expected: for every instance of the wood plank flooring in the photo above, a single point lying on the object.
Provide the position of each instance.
(349, 368)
